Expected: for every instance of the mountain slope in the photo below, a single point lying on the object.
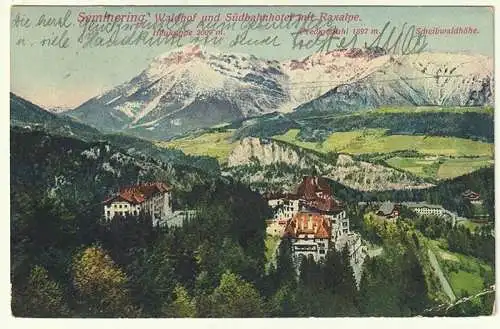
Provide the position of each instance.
(30, 117)
(265, 164)
(185, 89)
(78, 170)
(26, 114)
(425, 79)
(191, 87)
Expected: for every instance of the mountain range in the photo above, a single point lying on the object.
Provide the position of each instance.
(192, 87)
(25, 114)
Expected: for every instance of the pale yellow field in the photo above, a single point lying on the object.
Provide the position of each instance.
(217, 145)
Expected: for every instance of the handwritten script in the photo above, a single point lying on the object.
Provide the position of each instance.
(318, 32)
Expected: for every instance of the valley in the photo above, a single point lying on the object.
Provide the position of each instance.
(217, 184)
(428, 156)
(213, 144)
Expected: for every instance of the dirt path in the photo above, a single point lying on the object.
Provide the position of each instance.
(442, 279)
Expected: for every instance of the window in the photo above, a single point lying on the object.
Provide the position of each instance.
(108, 213)
(322, 252)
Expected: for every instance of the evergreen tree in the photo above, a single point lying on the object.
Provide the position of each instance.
(41, 298)
(414, 286)
(235, 297)
(347, 287)
(283, 303)
(152, 278)
(285, 268)
(182, 306)
(101, 285)
(332, 273)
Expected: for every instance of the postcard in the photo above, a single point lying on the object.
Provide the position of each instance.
(252, 161)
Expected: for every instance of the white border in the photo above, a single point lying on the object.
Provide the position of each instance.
(386, 323)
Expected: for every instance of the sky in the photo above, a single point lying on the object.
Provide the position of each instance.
(66, 74)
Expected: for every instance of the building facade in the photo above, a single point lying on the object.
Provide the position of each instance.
(388, 210)
(311, 217)
(154, 199)
(275, 228)
(284, 208)
(473, 197)
(310, 235)
(339, 222)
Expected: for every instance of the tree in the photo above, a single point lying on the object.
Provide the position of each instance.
(41, 298)
(414, 286)
(151, 278)
(347, 287)
(235, 297)
(285, 269)
(332, 273)
(42, 233)
(283, 303)
(379, 291)
(182, 306)
(101, 285)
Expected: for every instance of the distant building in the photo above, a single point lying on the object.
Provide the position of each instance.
(154, 199)
(179, 217)
(388, 210)
(308, 216)
(284, 207)
(473, 197)
(425, 209)
(339, 222)
(310, 234)
(317, 193)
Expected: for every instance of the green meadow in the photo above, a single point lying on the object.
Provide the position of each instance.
(466, 274)
(439, 167)
(426, 109)
(376, 141)
(442, 157)
(213, 144)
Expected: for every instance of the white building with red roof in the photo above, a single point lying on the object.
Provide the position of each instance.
(309, 234)
(473, 197)
(154, 199)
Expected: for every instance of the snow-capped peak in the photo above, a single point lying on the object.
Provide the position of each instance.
(194, 86)
(183, 54)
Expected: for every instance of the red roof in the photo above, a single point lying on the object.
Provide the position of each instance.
(275, 196)
(139, 193)
(309, 223)
(471, 195)
(328, 204)
(318, 194)
(313, 187)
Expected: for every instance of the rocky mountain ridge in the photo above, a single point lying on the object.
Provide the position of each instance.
(359, 175)
(192, 87)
